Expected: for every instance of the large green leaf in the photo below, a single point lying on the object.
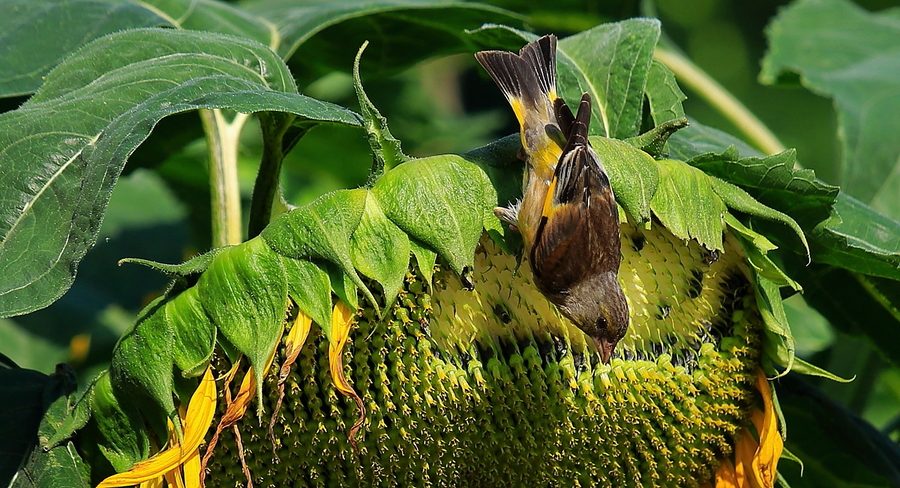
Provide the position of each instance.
(115, 432)
(60, 163)
(842, 230)
(858, 238)
(35, 35)
(633, 174)
(401, 31)
(215, 16)
(697, 139)
(854, 303)
(611, 62)
(309, 286)
(853, 56)
(663, 94)
(194, 332)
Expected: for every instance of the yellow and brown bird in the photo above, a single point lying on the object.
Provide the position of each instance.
(568, 216)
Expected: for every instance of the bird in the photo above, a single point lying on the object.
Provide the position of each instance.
(567, 216)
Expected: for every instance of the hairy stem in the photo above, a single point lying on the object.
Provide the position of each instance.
(719, 98)
(279, 136)
(222, 139)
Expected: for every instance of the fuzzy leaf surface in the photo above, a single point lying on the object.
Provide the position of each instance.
(245, 293)
(633, 174)
(194, 332)
(65, 147)
(844, 52)
(440, 201)
(380, 250)
(62, 28)
(687, 205)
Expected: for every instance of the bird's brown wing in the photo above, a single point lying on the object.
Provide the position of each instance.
(578, 234)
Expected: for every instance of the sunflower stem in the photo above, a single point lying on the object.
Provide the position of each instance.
(222, 139)
(720, 99)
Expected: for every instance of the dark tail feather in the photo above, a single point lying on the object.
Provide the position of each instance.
(529, 76)
(578, 133)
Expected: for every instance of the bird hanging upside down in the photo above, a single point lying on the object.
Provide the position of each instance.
(568, 216)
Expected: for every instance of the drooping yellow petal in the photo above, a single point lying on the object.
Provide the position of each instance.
(744, 449)
(726, 477)
(154, 483)
(341, 320)
(199, 417)
(765, 460)
(293, 343)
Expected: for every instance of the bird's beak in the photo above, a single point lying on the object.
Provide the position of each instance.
(606, 348)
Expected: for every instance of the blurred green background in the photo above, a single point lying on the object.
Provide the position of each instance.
(439, 106)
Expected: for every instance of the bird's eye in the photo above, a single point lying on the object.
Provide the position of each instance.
(602, 323)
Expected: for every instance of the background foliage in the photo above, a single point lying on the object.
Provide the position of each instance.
(823, 75)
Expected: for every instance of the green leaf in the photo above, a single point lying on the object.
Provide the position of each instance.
(773, 180)
(842, 51)
(778, 343)
(756, 239)
(611, 62)
(765, 267)
(75, 420)
(633, 174)
(687, 205)
(142, 366)
(346, 291)
(309, 288)
(380, 250)
(60, 165)
(62, 465)
(385, 148)
(740, 200)
(440, 201)
(653, 142)
(858, 238)
(499, 162)
(61, 27)
(854, 303)
(245, 292)
(116, 428)
(425, 259)
(322, 37)
(215, 16)
(663, 93)
(195, 334)
(322, 230)
(838, 448)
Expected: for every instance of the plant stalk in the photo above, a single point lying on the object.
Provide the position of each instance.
(720, 99)
(222, 138)
(279, 137)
